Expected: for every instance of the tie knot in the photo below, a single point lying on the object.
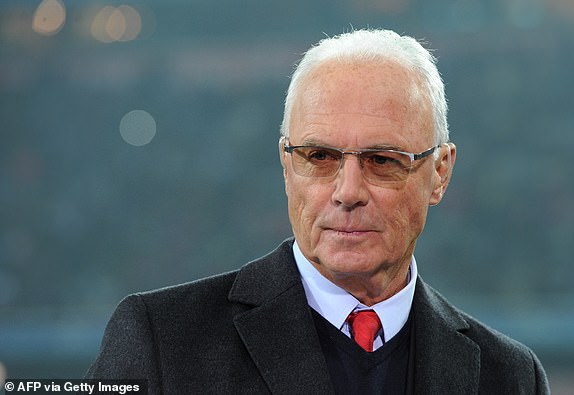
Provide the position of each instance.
(364, 327)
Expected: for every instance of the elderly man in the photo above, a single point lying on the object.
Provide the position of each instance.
(340, 308)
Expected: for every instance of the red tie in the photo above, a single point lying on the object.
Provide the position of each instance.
(365, 326)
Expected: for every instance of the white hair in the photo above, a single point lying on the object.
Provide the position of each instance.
(368, 45)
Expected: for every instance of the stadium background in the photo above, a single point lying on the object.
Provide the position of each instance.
(139, 150)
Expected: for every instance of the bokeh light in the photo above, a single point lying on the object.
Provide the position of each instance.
(99, 24)
(111, 24)
(138, 128)
(116, 25)
(49, 17)
(133, 23)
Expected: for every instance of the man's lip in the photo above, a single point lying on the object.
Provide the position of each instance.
(349, 230)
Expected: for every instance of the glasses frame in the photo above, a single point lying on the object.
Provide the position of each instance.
(347, 151)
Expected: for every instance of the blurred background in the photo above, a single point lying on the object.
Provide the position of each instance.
(139, 150)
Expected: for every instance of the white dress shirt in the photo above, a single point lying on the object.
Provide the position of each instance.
(335, 304)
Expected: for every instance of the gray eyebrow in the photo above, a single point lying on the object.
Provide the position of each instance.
(313, 141)
(386, 147)
(316, 142)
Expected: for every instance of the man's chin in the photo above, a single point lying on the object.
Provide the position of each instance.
(342, 262)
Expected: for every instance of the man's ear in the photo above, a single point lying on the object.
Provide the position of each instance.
(282, 154)
(443, 172)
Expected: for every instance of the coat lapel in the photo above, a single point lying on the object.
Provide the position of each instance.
(276, 326)
(447, 362)
(278, 330)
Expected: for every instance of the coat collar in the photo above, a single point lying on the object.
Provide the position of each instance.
(447, 361)
(262, 280)
(278, 330)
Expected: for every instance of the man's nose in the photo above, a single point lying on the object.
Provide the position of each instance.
(350, 185)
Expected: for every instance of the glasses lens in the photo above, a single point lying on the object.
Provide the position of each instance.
(385, 166)
(379, 167)
(316, 161)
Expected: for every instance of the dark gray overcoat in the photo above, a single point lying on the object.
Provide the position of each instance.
(251, 332)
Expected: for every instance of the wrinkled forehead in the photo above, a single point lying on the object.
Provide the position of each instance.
(352, 80)
(374, 91)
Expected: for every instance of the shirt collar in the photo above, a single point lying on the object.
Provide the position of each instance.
(335, 304)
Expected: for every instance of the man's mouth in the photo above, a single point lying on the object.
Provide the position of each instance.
(350, 231)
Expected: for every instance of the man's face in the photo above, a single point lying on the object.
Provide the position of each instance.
(343, 224)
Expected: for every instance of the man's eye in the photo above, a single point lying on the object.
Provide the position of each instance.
(321, 155)
(381, 159)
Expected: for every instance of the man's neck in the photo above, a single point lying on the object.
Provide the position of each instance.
(335, 303)
(371, 288)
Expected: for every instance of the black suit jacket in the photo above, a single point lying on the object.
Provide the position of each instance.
(251, 332)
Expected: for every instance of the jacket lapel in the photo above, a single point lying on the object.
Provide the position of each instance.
(278, 330)
(447, 362)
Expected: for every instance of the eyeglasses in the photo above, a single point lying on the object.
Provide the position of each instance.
(379, 166)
